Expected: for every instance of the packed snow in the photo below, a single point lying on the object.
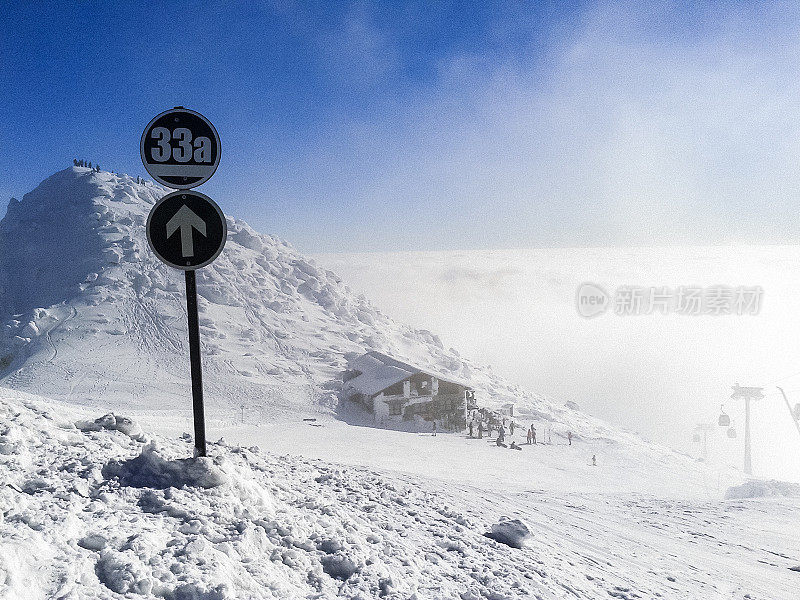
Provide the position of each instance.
(97, 513)
(101, 497)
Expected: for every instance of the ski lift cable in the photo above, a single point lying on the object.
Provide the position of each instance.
(783, 378)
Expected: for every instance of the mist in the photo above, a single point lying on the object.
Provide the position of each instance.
(658, 375)
(657, 146)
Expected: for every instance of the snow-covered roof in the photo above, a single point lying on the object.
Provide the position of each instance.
(379, 371)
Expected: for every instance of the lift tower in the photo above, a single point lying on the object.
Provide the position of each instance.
(747, 394)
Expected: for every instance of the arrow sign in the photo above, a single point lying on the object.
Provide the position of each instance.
(186, 212)
(186, 220)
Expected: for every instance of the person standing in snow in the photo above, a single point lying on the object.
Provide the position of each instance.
(480, 430)
(594, 460)
(434, 428)
(501, 436)
(529, 437)
(569, 437)
(511, 427)
(470, 429)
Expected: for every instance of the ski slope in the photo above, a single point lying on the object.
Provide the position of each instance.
(104, 510)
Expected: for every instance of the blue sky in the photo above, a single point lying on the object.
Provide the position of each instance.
(431, 125)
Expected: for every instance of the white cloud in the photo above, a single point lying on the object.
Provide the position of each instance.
(633, 128)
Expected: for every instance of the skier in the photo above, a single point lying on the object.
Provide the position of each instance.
(511, 427)
(470, 429)
(434, 428)
(529, 436)
(569, 437)
(594, 460)
(480, 430)
(515, 446)
(533, 434)
(501, 437)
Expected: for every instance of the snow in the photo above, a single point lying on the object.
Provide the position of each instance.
(290, 527)
(101, 498)
(276, 330)
(756, 488)
(511, 532)
(150, 470)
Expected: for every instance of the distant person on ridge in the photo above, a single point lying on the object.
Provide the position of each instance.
(569, 437)
(594, 460)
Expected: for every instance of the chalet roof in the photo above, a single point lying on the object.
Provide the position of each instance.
(380, 371)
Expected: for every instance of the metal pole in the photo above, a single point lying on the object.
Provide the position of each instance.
(194, 359)
(748, 466)
(791, 412)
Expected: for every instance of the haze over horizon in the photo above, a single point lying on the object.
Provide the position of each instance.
(656, 374)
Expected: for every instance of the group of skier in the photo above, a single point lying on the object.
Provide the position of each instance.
(530, 434)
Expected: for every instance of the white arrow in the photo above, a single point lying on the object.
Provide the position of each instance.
(186, 219)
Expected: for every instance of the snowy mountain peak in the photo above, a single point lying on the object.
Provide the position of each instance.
(85, 301)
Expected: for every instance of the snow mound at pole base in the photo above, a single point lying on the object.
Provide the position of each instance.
(151, 470)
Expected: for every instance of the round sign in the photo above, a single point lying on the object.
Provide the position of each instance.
(180, 148)
(186, 230)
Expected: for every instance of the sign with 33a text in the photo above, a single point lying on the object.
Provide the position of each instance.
(180, 148)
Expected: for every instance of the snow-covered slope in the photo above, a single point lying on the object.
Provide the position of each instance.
(90, 316)
(96, 508)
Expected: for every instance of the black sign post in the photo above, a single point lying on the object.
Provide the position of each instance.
(185, 229)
